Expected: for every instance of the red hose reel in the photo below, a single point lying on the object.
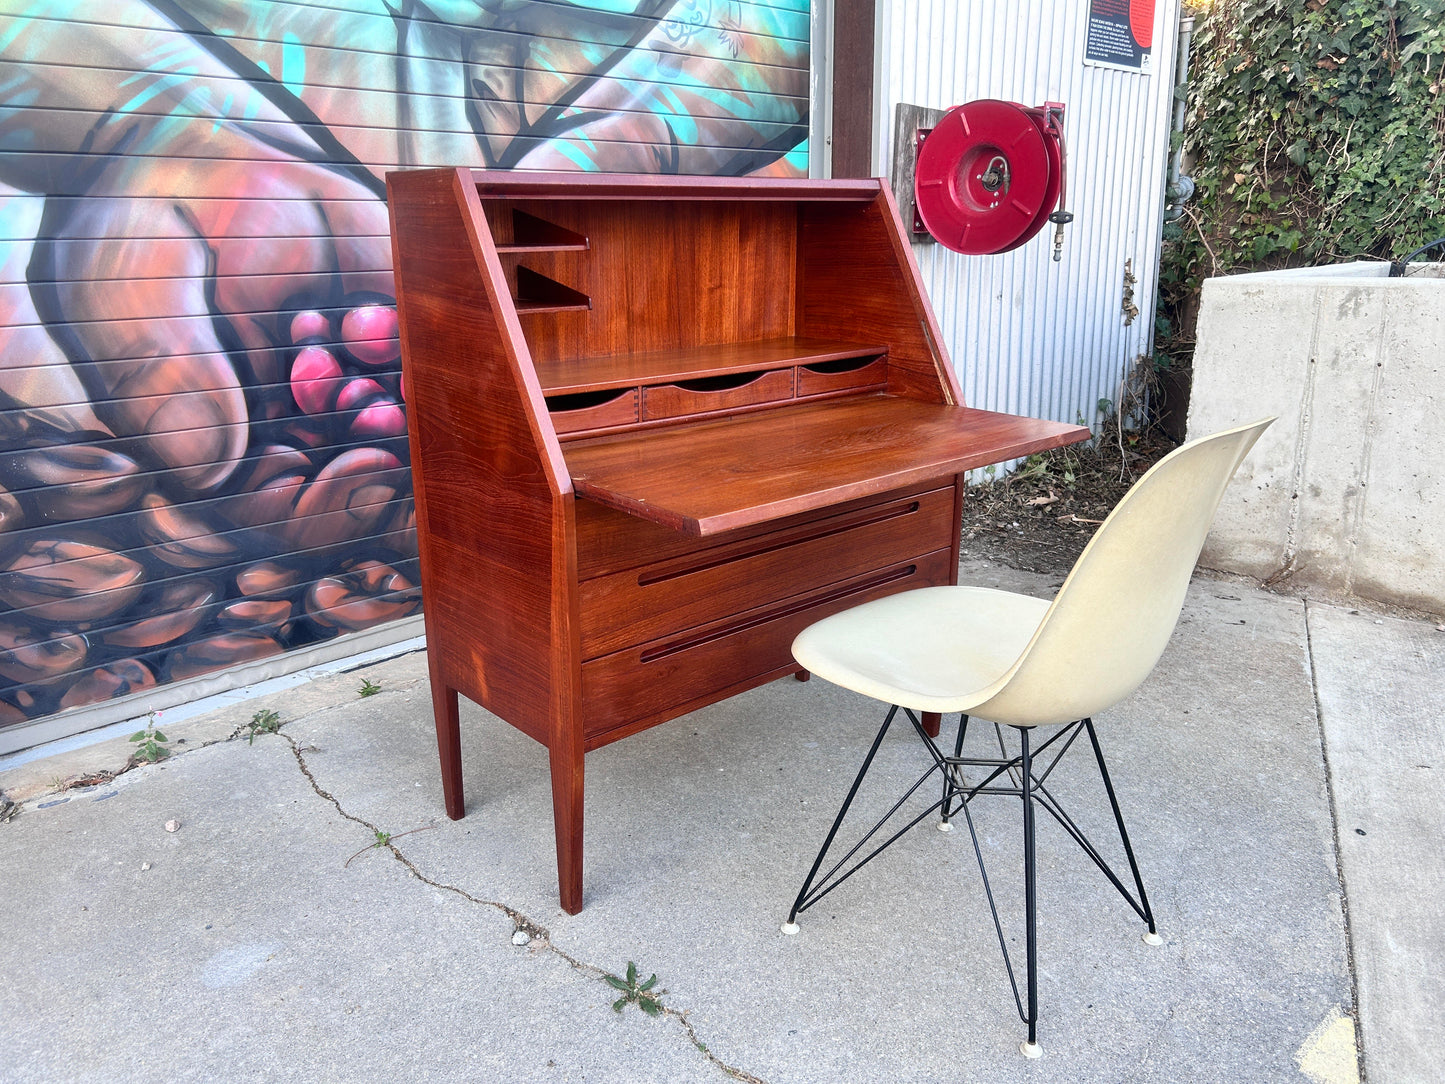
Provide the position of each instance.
(990, 174)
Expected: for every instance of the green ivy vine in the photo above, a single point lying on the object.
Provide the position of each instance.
(1318, 133)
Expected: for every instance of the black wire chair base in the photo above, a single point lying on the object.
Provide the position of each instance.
(1023, 776)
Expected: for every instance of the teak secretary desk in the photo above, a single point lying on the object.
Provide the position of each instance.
(659, 425)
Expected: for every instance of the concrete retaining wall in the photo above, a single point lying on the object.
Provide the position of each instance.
(1344, 495)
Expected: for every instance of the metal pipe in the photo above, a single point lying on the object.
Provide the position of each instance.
(1181, 83)
(1179, 188)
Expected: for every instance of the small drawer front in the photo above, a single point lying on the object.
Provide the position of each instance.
(640, 686)
(842, 376)
(712, 394)
(585, 411)
(666, 597)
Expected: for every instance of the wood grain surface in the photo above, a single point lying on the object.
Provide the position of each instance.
(714, 476)
(763, 429)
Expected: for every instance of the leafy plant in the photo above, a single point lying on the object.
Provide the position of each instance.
(1319, 134)
(1057, 466)
(648, 999)
(1032, 468)
(150, 742)
(368, 688)
(265, 721)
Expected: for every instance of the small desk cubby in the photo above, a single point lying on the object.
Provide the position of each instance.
(611, 393)
(658, 426)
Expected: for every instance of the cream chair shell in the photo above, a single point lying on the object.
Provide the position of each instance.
(1023, 662)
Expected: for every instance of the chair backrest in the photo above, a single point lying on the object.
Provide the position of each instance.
(1112, 618)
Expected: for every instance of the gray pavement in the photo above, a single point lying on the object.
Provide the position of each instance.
(265, 940)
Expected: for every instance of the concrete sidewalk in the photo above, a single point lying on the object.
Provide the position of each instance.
(1280, 751)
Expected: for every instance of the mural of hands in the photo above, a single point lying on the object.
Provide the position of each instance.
(241, 358)
(203, 454)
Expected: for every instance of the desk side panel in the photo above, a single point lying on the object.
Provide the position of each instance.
(489, 512)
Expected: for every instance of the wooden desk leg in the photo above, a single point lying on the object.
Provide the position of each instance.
(449, 746)
(567, 815)
(802, 675)
(932, 720)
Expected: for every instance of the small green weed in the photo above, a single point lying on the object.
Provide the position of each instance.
(265, 721)
(383, 839)
(150, 742)
(368, 688)
(1031, 469)
(649, 1000)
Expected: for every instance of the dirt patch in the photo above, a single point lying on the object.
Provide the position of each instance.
(1040, 517)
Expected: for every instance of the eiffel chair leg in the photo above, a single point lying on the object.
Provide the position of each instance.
(1031, 1048)
(1151, 936)
(953, 776)
(791, 926)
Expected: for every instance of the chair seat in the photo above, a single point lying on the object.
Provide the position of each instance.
(934, 649)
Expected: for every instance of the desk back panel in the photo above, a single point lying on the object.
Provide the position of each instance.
(855, 270)
(661, 275)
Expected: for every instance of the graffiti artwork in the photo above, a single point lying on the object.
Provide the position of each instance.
(203, 453)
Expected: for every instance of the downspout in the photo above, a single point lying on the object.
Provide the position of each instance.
(1179, 187)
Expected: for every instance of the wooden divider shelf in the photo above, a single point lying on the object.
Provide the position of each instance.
(659, 425)
(531, 234)
(537, 293)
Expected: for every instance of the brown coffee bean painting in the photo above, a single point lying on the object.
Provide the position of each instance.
(203, 457)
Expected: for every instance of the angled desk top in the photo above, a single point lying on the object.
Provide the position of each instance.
(706, 477)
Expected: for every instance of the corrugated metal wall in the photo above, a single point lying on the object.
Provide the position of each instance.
(203, 458)
(1028, 335)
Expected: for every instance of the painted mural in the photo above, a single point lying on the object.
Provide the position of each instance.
(203, 451)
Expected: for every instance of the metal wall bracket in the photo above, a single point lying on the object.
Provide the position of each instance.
(911, 123)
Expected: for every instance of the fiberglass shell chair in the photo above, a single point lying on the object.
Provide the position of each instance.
(1025, 663)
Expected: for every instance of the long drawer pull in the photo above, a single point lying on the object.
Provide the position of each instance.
(863, 519)
(798, 606)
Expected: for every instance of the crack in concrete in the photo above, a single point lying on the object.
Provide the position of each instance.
(538, 933)
(1339, 859)
(97, 777)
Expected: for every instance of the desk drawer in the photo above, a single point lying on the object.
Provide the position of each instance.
(849, 374)
(580, 412)
(637, 687)
(609, 541)
(668, 596)
(710, 394)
